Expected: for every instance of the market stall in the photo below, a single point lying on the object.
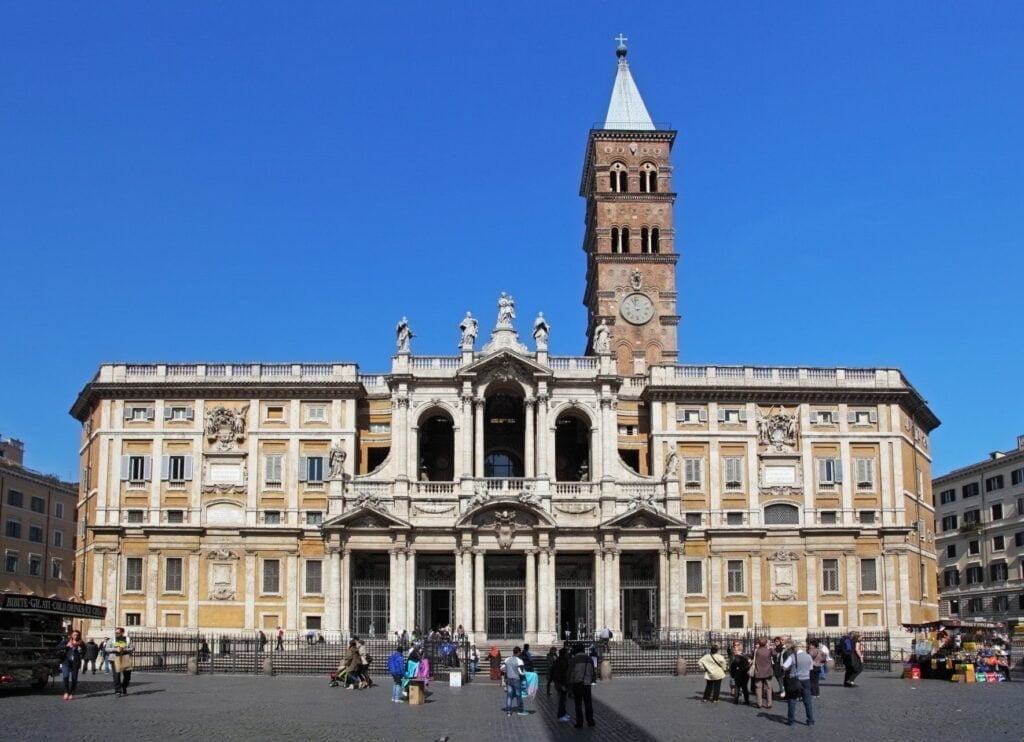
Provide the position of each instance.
(960, 651)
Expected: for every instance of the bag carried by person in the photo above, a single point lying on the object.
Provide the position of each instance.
(846, 647)
(122, 663)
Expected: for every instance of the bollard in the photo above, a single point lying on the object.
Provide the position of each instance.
(606, 670)
(680, 666)
(192, 666)
(268, 666)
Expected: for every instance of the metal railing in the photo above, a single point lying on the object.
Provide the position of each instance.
(876, 645)
(658, 651)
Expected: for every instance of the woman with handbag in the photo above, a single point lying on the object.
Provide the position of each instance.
(715, 667)
(70, 652)
(739, 672)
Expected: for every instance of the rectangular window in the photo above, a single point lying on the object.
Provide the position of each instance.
(11, 561)
(37, 504)
(831, 619)
(830, 575)
(829, 517)
(1017, 476)
(997, 511)
(133, 619)
(825, 417)
(975, 574)
(973, 547)
(311, 469)
(970, 490)
(736, 620)
(272, 470)
(866, 517)
(133, 574)
(694, 519)
(172, 575)
(975, 605)
(865, 473)
(951, 551)
(58, 510)
(175, 516)
(313, 622)
(947, 496)
(35, 533)
(135, 516)
(998, 543)
(58, 539)
(176, 468)
(138, 413)
(693, 416)
(314, 517)
(13, 529)
(949, 523)
(271, 576)
(1018, 538)
(314, 576)
(272, 517)
(994, 483)
(693, 472)
(954, 607)
(861, 417)
(951, 578)
(15, 498)
(999, 571)
(732, 416)
(316, 413)
(734, 571)
(35, 566)
(275, 413)
(178, 413)
(868, 576)
(734, 519)
(138, 469)
(972, 517)
(380, 427)
(733, 472)
(830, 473)
(694, 577)
(1001, 603)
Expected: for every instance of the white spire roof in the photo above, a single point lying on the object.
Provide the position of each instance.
(626, 109)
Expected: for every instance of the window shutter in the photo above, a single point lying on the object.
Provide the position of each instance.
(165, 468)
(743, 414)
(839, 470)
(303, 468)
(147, 468)
(851, 416)
(189, 413)
(188, 468)
(151, 413)
(125, 468)
(703, 415)
(873, 416)
(721, 415)
(127, 412)
(168, 411)
(822, 474)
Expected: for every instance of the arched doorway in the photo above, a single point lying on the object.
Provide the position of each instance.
(437, 448)
(572, 448)
(504, 434)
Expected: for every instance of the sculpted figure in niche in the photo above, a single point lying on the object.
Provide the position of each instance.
(469, 329)
(403, 335)
(541, 328)
(636, 280)
(506, 310)
(602, 340)
(336, 462)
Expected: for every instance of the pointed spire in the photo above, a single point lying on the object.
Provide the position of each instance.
(626, 109)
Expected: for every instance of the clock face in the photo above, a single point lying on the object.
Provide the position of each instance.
(637, 309)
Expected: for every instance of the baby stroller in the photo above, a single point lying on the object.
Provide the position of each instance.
(337, 678)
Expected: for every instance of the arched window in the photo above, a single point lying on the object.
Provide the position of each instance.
(781, 514)
(572, 449)
(648, 178)
(615, 239)
(617, 177)
(655, 240)
(645, 240)
(624, 245)
(501, 464)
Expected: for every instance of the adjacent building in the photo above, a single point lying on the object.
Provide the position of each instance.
(980, 517)
(38, 513)
(514, 491)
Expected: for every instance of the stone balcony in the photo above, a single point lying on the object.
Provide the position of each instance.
(778, 376)
(149, 373)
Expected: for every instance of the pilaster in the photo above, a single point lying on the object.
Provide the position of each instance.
(531, 443)
(480, 616)
(531, 594)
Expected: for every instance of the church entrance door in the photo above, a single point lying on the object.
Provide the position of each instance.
(505, 596)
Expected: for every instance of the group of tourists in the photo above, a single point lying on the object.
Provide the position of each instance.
(76, 655)
(795, 671)
(354, 670)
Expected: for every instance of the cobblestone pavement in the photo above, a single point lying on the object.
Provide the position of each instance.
(163, 706)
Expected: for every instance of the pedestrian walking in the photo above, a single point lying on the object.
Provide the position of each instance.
(474, 660)
(558, 672)
(71, 652)
(514, 675)
(552, 655)
(853, 659)
(581, 677)
(739, 674)
(120, 647)
(280, 640)
(763, 672)
(92, 651)
(715, 667)
(263, 641)
(797, 667)
(494, 659)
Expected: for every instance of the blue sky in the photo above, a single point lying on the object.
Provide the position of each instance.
(282, 181)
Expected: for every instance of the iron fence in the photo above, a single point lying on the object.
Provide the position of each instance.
(245, 653)
(657, 652)
(876, 646)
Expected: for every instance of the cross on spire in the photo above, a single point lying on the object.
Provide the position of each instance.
(622, 40)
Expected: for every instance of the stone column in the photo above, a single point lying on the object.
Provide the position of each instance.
(251, 564)
(467, 590)
(332, 568)
(345, 604)
(396, 590)
(478, 437)
(664, 597)
(676, 609)
(194, 565)
(400, 431)
(409, 591)
(153, 587)
(479, 614)
(459, 612)
(292, 561)
(616, 622)
(530, 447)
(546, 594)
(610, 613)
(542, 436)
(608, 435)
(756, 591)
(852, 588)
(531, 594)
(599, 575)
(468, 438)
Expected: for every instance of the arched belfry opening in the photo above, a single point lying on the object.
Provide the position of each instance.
(504, 433)
(572, 448)
(437, 447)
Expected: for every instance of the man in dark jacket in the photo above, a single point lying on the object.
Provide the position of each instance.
(558, 673)
(92, 651)
(527, 658)
(581, 675)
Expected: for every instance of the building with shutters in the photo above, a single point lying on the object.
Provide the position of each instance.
(509, 489)
(980, 524)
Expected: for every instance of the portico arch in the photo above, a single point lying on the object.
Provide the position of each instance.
(436, 456)
(504, 444)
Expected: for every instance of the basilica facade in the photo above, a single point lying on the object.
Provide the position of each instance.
(513, 491)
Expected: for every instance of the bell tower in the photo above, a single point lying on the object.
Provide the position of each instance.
(629, 239)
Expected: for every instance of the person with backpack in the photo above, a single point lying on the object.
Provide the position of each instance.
(514, 675)
(797, 668)
(396, 667)
(581, 677)
(853, 659)
(714, 666)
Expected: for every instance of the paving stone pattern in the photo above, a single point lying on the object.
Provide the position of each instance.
(230, 707)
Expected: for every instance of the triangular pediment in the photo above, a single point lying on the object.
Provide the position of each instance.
(365, 517)
(640, 518)
(506, 365)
